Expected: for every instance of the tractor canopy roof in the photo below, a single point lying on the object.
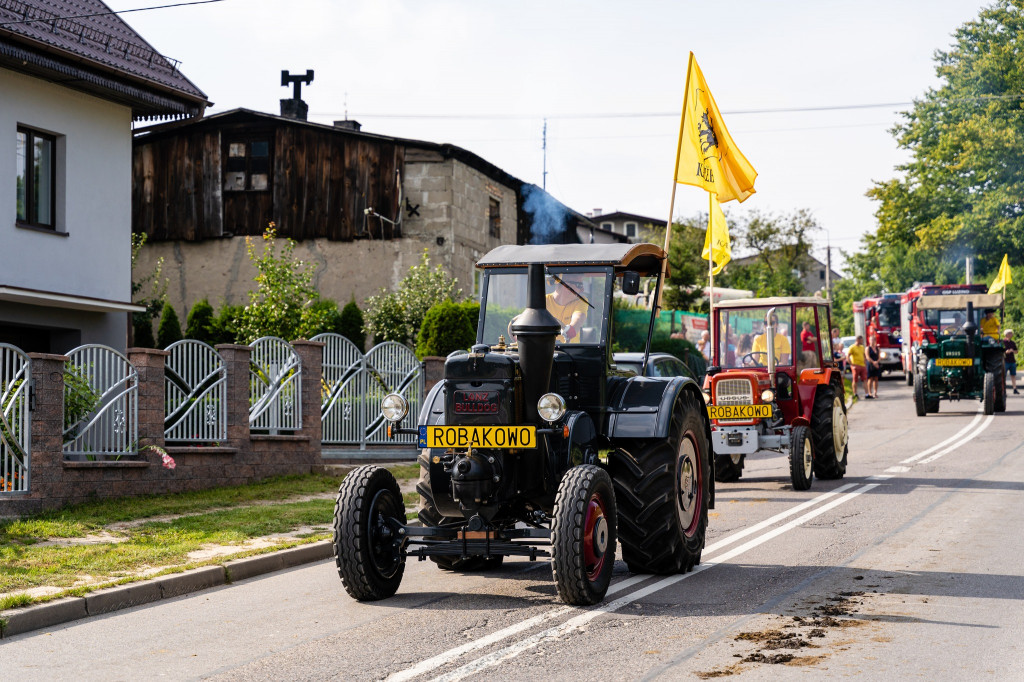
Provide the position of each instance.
(645, 259)
(771, 301)
(959, 301)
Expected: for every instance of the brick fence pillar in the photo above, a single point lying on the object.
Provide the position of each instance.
(46, 472)
(311, 356)
(433, 371)
(149, 364)
(236, 362)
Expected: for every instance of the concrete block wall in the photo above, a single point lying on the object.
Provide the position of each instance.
(243, 458)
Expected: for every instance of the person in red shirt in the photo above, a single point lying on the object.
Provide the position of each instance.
(807, 340)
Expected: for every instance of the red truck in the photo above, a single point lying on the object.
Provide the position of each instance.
(879, 317)
(913, 329)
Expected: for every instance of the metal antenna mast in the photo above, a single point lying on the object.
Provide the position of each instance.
(544, 147)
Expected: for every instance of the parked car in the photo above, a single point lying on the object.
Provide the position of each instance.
(659, 364)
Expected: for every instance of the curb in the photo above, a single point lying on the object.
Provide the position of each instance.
(18, 621)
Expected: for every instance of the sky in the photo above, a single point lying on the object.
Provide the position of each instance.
(608, 78)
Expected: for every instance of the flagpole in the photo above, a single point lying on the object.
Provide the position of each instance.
(675, 171)
(711, 278)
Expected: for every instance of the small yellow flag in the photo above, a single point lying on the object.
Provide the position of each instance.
(716, 240)
(707, 157)
(1003, 278)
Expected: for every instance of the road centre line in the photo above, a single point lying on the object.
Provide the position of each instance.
(514, 650)
(446, 657)
(937, 446)
(967, 439)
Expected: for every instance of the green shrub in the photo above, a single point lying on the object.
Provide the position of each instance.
(472, 310)
(319, 318)
(80, 398)
(446, 328)
(169, 330)
(225, 325)
(142, 330)
(351, 325)
(398, 315)
(199, 323)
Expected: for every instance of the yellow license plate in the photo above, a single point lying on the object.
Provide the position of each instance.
(478, 437)
(954, 362)
(739, 411)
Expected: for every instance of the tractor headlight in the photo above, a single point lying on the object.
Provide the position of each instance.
(394, 407)
(707, 396)
(767, 395)
(551, 407)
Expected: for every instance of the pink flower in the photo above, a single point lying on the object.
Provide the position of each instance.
(168, 461)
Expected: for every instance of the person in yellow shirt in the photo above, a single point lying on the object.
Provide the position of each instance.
(990, 325)
(858, 365)
(782, 347)
(568, 307)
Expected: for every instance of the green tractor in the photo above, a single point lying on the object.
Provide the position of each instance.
(956, 361)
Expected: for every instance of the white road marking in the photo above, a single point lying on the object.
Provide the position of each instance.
(954, 446)
(925, 453)
(897, 470)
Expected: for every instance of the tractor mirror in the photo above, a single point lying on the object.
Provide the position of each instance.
(631, 283)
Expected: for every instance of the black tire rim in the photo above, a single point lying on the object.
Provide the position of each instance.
(690, 485)
(383, 555)
(595, 537)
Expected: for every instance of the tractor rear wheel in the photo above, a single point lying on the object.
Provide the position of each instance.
(729, 468)
(990, 392)
(429, 516)
(662, 492)
(801, 458)
(369, 560)
(830, 433)
(909, 377)
(583, 535)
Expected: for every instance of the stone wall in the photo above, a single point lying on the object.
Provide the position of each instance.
(243, 458)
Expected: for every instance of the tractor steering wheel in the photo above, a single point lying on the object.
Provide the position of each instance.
(749, 360)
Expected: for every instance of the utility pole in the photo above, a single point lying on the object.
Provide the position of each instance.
(828, 270)
(544, 147)
(969, 273)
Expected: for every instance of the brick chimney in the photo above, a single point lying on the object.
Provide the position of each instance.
(349, 124)
(295, 107)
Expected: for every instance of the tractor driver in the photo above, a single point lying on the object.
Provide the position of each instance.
(954, 326)
(989, 324)
(782, 347)
(568, 305)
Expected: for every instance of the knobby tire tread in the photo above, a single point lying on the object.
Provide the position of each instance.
(567, 528)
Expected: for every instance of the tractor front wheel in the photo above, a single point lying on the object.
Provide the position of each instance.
(368, 556)
(919, 398)
(830, 433)
(801, 458)
(583, 535)
(662, 490)
(729, 468)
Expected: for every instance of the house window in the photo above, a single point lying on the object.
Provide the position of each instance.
(248, 166)
(36, 178)
(631, 230)
(494, 217)
(608, 226)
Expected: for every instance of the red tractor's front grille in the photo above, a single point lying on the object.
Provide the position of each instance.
(727, 390)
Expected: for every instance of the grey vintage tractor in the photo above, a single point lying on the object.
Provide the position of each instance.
(535, 445)
(960, 363)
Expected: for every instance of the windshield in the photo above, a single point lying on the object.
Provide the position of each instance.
(948, 321)
(889, 315)
(742, 341)
(575, 296)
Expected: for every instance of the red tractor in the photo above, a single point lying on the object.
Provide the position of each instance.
(914, 330)
(878, 317)
(773, 386)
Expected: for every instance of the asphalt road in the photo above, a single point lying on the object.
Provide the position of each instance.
(910, 567)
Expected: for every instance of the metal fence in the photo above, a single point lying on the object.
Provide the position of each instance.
(101, 404)
(15, 422)
(275, 386)
(195, 394)
(354, 384)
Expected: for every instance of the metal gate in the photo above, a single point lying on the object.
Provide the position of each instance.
(15, 422)
(354, 385)
(102, 389)
(195, 393)
(275, 386)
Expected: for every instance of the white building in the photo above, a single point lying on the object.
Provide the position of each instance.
(70, 89)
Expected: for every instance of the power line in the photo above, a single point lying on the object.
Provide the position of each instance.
(104, 14)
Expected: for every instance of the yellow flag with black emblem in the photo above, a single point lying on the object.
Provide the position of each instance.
(706, 156)
(716, 240)
(1003, 278)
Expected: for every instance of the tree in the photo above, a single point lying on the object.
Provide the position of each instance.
(962, 192)
(169, 330)
(142, 322)
(351, 324)
(397, 315)
(782, 247)
(687, 270)
(446, 328)
(199, 324)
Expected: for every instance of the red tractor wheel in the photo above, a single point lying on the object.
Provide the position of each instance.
(583, 535)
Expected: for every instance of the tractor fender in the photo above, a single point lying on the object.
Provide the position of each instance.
(582, 431)
(432, 412)
(641, 407)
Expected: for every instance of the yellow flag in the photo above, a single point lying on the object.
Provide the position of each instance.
(716, 240)
(707, 157)
(1003, 278)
